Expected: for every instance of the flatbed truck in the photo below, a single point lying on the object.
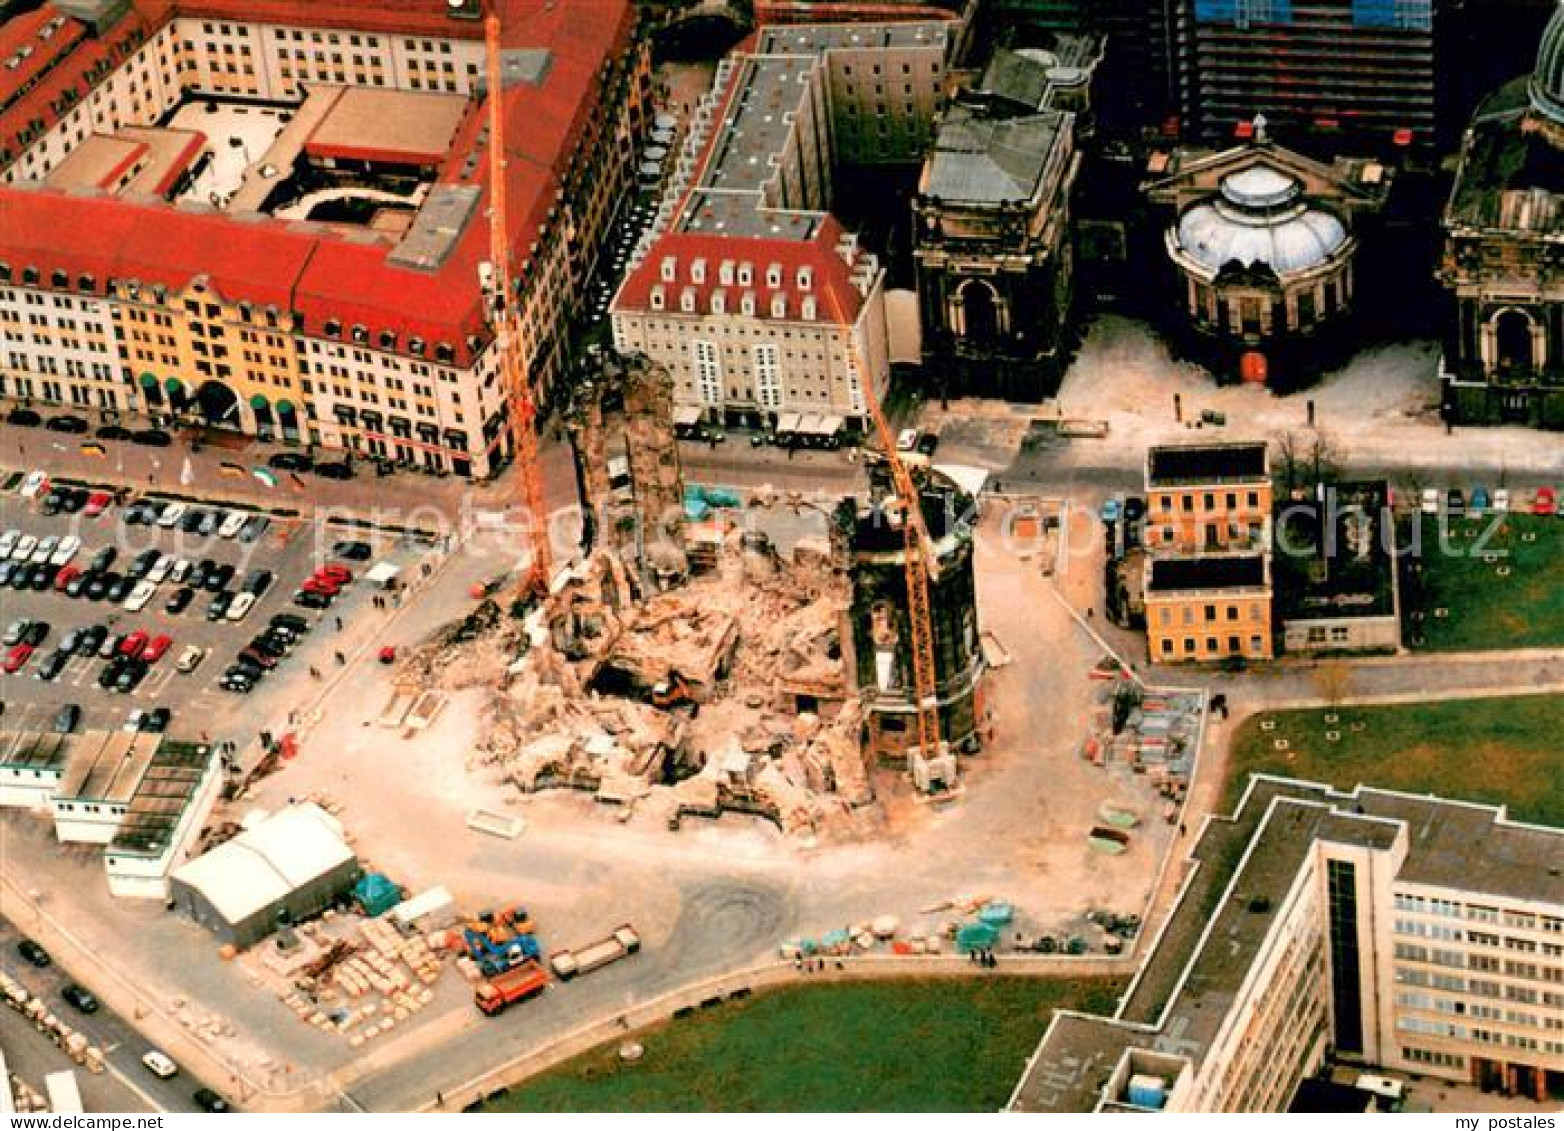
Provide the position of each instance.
(594, 956)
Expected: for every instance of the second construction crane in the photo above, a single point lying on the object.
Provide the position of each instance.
(502, 307)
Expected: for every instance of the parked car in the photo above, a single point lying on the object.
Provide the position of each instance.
(81, 998)
(92, 639)
(71, 425)
(97, 503)
(172, 514)
(237, 679)
(179, 571)
(157, 648)
(99, 584)
(1481, 500)
(232, 523)
(14, 631)
(156, 720)
(240, 607)
(352, 551)
(927, 442)
(37, 632)
(142, 564)
(8, 570)
(67, 718)
(190, 658)
(338, 575)
(1545, 502)
(34, 954)
(179, 600)
(65, 550)
(334, 471)
(8, 542)
(111, 645)
(52, 665)
(218, 608)
(219, 578)
(102, 560)
(140, 595)
(152, 438)
(16, 659)
(112, 432)
(253, 527)
(1455, 501)
(160, 569)
(1430, 502)
(131, 674)
(35, 485)
(1501, 500)
(120, 590)
(258, 582)
(23, 550)
(133, 644)
(77, 585)
(73, 499)
(291, 621)
(23, 417)
(191, 521)
(197, 578)
(132, 724)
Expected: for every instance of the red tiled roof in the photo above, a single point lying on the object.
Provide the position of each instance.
(319, 274)
(23, 32)
(836, 298)
(394, 17)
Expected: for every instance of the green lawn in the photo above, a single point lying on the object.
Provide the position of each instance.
(1494, 750)
(1487, 607)
(934, 1045)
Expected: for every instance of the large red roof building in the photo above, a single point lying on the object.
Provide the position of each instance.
(265, 286)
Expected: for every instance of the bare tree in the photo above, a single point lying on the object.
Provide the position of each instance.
(1304, 457)
(1333, 680)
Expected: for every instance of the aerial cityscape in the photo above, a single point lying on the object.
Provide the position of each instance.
(782, 555)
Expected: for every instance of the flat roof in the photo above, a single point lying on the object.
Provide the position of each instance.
(406, 127)
(1345, 572)
(96, 163)
(35, 750)
(1230, 571)
(1248, 862)
(108, 766)
(166, 790)
(1187, 464)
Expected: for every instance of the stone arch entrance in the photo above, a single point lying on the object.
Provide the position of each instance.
(1513, 339)
(218, 405)
(979, 313)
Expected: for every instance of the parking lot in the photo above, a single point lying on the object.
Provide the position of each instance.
(289, 549)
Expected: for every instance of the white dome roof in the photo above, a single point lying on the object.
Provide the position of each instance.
(1259, 218)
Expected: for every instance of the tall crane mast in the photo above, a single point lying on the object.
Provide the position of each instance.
(502, 307)
(921, 564)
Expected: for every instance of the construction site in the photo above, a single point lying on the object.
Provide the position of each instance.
(708, 654)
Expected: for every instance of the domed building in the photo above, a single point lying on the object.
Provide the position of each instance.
(1262, 242)
(1502, 264)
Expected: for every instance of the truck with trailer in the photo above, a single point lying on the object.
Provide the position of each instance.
(594, 956)
(525, 980)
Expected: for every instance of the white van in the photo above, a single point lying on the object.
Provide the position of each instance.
(159, 1064)
(1391, 1093)
(140, 595)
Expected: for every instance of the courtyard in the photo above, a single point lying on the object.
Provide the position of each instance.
(1487, 582)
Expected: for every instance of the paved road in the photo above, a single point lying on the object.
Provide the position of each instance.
(126, 1086)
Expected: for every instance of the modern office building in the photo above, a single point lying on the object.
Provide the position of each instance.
(1413, 933)
(273, 219)
(1331, 71)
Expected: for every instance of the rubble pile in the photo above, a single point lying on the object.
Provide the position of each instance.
(728, 691)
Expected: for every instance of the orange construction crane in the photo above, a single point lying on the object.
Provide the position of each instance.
(500, 298)
(921, 564)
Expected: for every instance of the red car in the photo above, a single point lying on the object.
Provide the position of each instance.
(325, 586)
(156, 648)
(17, 657)
(340, 574)
(97, 503)
(1546, 502)
(66, 575)
(133, 644)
